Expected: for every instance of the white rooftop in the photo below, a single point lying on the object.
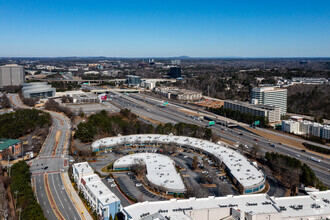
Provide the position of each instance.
(240, 167)
(101, 192)
(315, 204)
(83, 168)
(160, 169)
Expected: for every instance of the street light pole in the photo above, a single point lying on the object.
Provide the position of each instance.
(19, 215)
(16, 192)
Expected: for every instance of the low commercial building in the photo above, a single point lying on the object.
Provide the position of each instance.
(247, 177)
(271, 112)
(248, 207)
(309, 80)
(10, 147)
(161, 171)
(38, 90)
(104, 202)
(85, 98)
(306, 128)
(179, 94)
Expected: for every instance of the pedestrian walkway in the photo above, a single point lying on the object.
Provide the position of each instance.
(75, 198)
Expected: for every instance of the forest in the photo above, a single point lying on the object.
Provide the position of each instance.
(21, 122)
(310, 100)
(292, 171)
(127, 123)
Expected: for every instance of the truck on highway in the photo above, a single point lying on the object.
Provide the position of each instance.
(315, 159)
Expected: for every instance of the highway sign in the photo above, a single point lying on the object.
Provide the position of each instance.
(211, 123)
(256, 122)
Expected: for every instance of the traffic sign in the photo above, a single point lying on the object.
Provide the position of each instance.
(256, 122)
(211, 123)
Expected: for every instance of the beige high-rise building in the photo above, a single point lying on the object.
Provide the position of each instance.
(272, 96)
(11, 75)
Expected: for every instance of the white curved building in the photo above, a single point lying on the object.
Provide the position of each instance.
(245, 175)
(161, 170)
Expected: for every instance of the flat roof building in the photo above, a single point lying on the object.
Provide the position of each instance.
(272, 96)
(101, 199)
(250, 207)
(272, 113)
(161, 171)
(245, 175)
(133, 80)
(11, 75)
(38, 90)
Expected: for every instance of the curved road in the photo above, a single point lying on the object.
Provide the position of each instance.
(47, 167)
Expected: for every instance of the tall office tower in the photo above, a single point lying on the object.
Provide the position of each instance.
(175, 72)
(11, 75)
(270, 96)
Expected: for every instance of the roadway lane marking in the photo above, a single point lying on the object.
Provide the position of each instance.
(59, 198)
(51, 199)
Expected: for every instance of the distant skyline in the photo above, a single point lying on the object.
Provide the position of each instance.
(167, 28)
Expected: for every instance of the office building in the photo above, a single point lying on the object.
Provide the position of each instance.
(179, 94)
(272, 113)
(133, 80)
(175, 72)
(11, 75)
(270, 95)
(315, 205)
(245, 175)
(38, 90)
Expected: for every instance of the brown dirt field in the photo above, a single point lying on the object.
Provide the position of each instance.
(151, 120)
(287, 141)
(189, 112)
(209, 185)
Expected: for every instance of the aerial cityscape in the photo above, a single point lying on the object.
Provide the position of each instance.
(169, 110)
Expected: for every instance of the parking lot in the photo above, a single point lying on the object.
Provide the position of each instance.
(204, 181)
(92, 108)
(133, 187)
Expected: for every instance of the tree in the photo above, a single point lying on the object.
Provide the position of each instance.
(81, 113)
(255, 151)
(208, 133)
(5, 102)
(195, 162)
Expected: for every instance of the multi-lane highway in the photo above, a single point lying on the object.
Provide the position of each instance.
(154, 108)
(47, 167)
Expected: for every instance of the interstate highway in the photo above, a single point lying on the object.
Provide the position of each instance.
(46, 169)
(149, 107)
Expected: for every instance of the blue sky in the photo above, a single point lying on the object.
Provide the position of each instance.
(165, 28)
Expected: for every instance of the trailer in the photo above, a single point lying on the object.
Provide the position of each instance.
(315, 159)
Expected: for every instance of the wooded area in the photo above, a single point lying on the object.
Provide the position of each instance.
(126, 123)
(310, 100)
(21, 122)
(20, 183)
(292, 171)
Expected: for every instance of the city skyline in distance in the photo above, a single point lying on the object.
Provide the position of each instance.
(197, 29)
